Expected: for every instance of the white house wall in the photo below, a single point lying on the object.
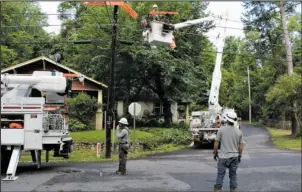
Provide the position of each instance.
(148, 107)
(120, 108)
(174, 112)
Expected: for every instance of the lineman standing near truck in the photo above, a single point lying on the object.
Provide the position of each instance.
(123, 137)
(231, 147)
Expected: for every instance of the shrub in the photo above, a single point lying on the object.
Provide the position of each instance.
(177, 136)
(82, 107)
(172, 136)
(76, 126)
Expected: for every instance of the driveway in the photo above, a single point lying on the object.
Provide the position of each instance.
(263, 168)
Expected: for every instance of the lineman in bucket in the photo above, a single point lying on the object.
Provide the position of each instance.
(124, 144)
(231, 147)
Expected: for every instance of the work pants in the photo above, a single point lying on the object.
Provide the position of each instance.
(122, 158)
(222, 165)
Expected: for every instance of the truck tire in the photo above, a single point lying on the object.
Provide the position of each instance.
(196, 143)
(5, 158)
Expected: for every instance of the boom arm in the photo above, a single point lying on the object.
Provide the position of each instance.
(191, 22)
(43, 82)
(214, 107)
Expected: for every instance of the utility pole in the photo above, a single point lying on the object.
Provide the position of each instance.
(111, 91)
(249, 87)
(289, 59)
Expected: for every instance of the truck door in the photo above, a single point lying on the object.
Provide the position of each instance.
(33, 128)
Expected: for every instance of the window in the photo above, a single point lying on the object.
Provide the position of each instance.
(158, 108)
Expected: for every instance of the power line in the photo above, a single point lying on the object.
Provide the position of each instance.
(178, 32)
(62, 25)
(122, 42)
(59, 14)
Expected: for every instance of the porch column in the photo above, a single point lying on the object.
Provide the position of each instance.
(187, 114)
(99, 113)
(174, 112)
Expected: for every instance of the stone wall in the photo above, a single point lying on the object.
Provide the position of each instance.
(93, 145)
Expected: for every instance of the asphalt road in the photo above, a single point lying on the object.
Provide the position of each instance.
(263, 168)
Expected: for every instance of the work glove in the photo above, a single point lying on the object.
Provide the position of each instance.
(239, 158)
(215, 155)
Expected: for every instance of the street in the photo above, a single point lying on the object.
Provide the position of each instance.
(263, 168)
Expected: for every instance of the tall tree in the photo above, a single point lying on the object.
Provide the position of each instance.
(268, 49)
(168, 74)
(22, 22)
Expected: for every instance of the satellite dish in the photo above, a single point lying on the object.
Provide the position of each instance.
(57, 57)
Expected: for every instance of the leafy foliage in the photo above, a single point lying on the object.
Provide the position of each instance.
(286, 93)
(77, 126)
(173, 135)
(82, 109)
(165, 73)
(17, 27)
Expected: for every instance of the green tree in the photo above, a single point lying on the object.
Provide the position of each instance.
(287, 93)
(168, 74)
(21, 22)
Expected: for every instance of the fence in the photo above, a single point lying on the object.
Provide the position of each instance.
(278, 124)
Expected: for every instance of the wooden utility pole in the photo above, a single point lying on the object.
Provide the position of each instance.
(289, 58)
(111, 91)
(249, 87)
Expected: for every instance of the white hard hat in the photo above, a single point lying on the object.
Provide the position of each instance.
(155, 6)
(123, 121)
(231, 116)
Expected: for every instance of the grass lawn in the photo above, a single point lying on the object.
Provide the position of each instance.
(282, 139)
(89, 155)
(99, 136)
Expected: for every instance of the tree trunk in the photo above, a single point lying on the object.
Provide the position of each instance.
(289, 59)
(293, 120)
(297, 129)
(167, 112)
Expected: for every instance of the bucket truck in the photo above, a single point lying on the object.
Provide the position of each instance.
(203, 125)
(33, 118)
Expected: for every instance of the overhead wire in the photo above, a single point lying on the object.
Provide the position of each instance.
(18, 26)
(187, 33)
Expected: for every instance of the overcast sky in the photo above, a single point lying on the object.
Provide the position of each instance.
(234, 8)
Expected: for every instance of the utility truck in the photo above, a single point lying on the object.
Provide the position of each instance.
(33, 118)
(203, 125)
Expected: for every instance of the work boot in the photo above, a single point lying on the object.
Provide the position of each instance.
(118, 172)
(234, 190)
(121, 173)
(217, 189)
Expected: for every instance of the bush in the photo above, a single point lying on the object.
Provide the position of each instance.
(76, 126)
(171, 136)
(82, 107)
(152, 122)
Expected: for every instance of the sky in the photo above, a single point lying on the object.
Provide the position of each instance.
(234, 9)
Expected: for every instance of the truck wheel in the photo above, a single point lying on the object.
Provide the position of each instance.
(5, 158)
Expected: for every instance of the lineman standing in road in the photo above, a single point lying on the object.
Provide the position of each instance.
(231, 147)
(123, 137)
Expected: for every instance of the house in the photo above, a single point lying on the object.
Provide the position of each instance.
(152, 108)
(90, 86)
